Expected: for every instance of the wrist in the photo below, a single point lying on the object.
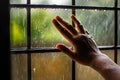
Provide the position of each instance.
(102, 62)
(105, 66)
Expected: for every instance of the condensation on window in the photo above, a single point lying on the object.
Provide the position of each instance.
(118, 3)
(43, 32)
(58, 66)
(100, 25)
(18, 26)
(18, 1)
(51, 66)
(118, 58)
(52, 2)
(86, 73)
(19, 67)
(103, 3)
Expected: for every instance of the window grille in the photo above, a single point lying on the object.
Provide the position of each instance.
(73, 7)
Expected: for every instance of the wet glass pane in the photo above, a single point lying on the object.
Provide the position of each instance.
(55, 2)
(18, 1)
(87, 73)
(118, 3)
(109, 53)
(100, 25)
(119, 27)
(19, 66)
(43, 32)
(102, 3)
(18, 24)
(51, 66)
(118, 57)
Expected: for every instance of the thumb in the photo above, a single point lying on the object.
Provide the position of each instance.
(65, 49)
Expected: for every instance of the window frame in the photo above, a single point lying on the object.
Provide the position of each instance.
(5, 40)
(73, 7)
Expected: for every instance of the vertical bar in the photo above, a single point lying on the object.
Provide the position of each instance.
(115, 30)
(29, 40)
(73, 10)
(28, 26)
(5, 40)
(73, 62)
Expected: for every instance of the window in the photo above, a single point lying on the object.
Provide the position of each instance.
(33, 37)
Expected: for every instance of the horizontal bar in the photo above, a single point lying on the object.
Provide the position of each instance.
(61, 6)
(51, 49)
(34, 50)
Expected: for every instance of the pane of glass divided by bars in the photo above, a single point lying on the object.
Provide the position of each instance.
(51, 66)
(18, 26)
(98, 3)
(99, 23)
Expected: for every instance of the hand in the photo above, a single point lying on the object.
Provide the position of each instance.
(84, 49)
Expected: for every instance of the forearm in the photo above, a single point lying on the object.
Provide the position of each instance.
(106, 67)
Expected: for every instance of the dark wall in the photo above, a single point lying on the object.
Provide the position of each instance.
(4, 40)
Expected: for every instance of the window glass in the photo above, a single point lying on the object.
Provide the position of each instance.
(51, 66)
(43, 32)
(18, 24)
(18, 1)
(109, 53)
(102, 3)
(118, 3)
(118, 57)
(87, 73)
(19, 66)
(100, 25)
(54, 2)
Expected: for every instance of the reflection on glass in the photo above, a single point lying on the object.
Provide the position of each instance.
(100, 25)
(102, 3)
(51, 66)
(18, 1)
(87, 73)
(43, 32)
(18, 24)
(54, 2)
(19, 66)
(119, 27)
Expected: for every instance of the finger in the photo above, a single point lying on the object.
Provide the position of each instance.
(63, 31)
(78, 25)
(66, 25)
(66, 50)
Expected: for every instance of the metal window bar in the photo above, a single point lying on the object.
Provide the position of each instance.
(30, 50)
(28, 40)
(73, 62)
(116, 30)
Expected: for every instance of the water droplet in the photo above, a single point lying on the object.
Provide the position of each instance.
(83, 9)
(66, 9)
(34, 69)
(104, 10)
(95, 10)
